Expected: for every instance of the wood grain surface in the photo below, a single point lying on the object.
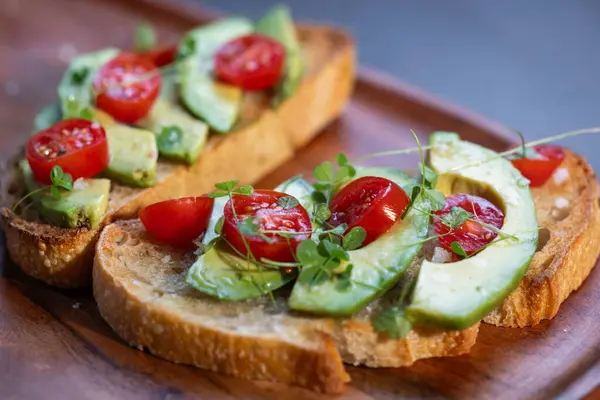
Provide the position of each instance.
(55, 345)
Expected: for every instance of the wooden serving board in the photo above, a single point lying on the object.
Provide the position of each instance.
(55, 345)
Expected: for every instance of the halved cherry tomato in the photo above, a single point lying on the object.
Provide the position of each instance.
(252, 62)
(127, 87)
(178, 221)
(538, 170)
(371, 202)
(270, 216)
(161, 56)
(470, 235)
(78, 146)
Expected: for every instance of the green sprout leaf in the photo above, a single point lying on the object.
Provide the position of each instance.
(79, 76)
(144, 37)
(436, 199)
(458, 249)
(227, 186)
(324, 172)
(393, 322)
(245, 190)
(322, 212)
(169, 138)
(188, 47)
(456, 217)
(319, 198)
(287, 202)
(218, 193)
(249, 226)
(308, 254)
(332, 250)
(341, 159)
(355, 238)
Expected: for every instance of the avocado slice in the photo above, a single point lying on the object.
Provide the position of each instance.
(75, 88)
(377, 266)
(218, 104)
(220, 273)
(179, 136)
(279, 25)
(84, 206)
(133, 155)
(457, 295)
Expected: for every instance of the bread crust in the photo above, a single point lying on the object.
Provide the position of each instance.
(151, 307)
(567, 207)
(63, 257)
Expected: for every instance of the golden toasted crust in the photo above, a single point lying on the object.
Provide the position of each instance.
(140, 290)
(266, 138)
(567, 207)
(146, 301)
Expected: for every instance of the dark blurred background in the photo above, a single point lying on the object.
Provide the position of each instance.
(532, 65)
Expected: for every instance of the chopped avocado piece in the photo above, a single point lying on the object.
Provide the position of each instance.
(278, 24)
(75, 88)
(133, 155)
(457, 295)
(214, 102)
(84, 206)
(179, 136)
(377, 266)
(47, 117)
(222, 274)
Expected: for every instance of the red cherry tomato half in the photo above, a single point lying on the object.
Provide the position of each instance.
(178, 221)
(127, 87)
(539, 170)
(78, 146)
(470, 235)
(262, 204)
(161, 56)
(371, 202)
(252, 62)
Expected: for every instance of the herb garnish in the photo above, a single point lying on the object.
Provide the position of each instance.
(144, 38)
(59, 180)
(79, 76)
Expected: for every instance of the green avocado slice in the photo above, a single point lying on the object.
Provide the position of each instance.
(75, 88)
(377, 266)
(216, 103)
(279, 25)
(457, 295)
(83, 207)
(133, 155)
(179, 136)
(221, 274)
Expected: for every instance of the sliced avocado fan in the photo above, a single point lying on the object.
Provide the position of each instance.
(377, 266)
(216, 103)
(456, 295)
(221, 274)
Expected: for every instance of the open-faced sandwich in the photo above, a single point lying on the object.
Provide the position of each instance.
(365, 265)
(233, 98)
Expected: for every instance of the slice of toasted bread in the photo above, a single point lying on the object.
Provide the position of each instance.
(265, 139)
(140, 290)
(567, 207)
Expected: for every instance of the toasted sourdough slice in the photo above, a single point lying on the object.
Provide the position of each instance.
(567, 209)
(264, 138)
(140, 289)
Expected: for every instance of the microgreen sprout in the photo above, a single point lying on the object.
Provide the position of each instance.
(59, 180)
